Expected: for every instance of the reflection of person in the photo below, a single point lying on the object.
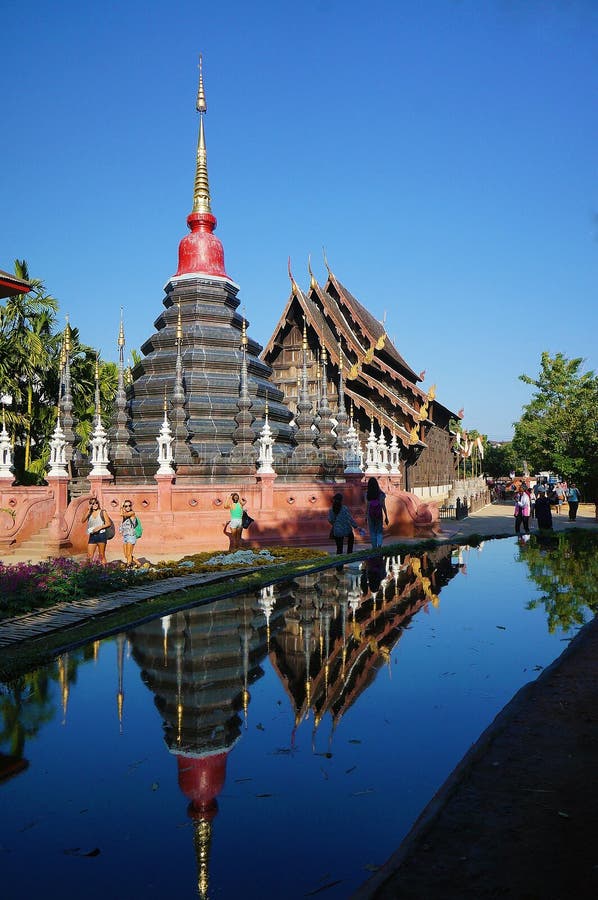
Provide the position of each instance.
(235, 505)
(522, 510)
(375, 510)
(127, 529)
(573, 499)
(374, 570)
(543, 511)
(342, 523)
(97, 520)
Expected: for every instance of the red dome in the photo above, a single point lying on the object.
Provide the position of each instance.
(201, 780)
(201, 252)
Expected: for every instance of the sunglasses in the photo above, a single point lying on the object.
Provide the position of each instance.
(126, 506)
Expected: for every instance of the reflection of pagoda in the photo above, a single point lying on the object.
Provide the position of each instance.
(341, 631)
(199, 664)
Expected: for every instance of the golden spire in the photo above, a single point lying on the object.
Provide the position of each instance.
(312, 281)
(324, 355)
(121, 331)
(304, 333)
(179, 329)
(340, 357)
(67, 337)
(201, 188)
(244, 340)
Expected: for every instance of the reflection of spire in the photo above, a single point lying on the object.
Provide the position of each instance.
(165, 629)
(63, 680)
(202, 841)
(120, 696)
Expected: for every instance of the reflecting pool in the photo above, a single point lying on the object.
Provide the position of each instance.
(279, 743)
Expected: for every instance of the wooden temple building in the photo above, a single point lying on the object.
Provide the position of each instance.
(327, 404)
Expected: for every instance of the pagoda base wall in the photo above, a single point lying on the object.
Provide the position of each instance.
(185, 518)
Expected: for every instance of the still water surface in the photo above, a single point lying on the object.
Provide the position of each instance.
(277, 744)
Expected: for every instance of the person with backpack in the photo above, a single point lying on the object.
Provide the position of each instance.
(130, 528)
(342, 523)
(98, 522)
(375, 511)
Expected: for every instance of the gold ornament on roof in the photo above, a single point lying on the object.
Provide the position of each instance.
(353, 371)
(432, 392)
(121, 330)
(369, 355)
(312, 281)
(414, 435)
(381, 341)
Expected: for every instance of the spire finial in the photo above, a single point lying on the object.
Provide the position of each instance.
(201, 105)
(121, 331)
(304, 333)
(179, 327)
(201, 189)
(326, 261)
(244, 339)
(67, 336)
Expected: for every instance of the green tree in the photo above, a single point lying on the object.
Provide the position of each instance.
(558, 430)
(501, 460)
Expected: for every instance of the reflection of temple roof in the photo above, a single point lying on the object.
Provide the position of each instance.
(343, 659)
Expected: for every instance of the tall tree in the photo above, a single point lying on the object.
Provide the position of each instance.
(558, 430)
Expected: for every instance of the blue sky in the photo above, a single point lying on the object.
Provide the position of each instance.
(443, 152)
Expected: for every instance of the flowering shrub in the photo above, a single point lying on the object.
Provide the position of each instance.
(27, 586)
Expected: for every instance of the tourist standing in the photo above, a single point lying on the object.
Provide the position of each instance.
(559, 493)
(573, 500)
(522, 511)
(543, 511)
(375, 511)
(342, 523)
(235, 525)
(128, 529)
(97, 521)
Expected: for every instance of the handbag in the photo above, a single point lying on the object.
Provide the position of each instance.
(246, 520)
(138, 528)
(110, 529)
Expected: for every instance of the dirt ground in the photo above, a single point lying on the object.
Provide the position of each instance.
(518, 818)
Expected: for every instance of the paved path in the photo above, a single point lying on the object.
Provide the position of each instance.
(62, 615)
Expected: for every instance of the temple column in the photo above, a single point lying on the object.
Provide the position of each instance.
(165, 483)
(58, 527)
(266, 483)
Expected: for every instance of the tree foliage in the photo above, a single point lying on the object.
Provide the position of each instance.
(558, 430)
(30, 351)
